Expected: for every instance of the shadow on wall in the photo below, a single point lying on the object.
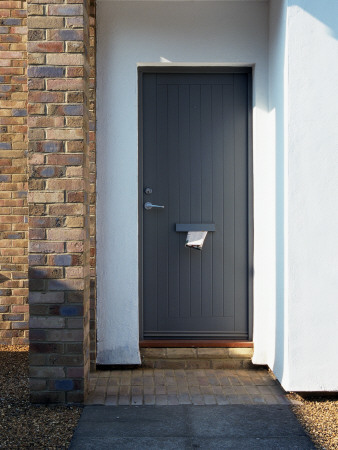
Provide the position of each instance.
(324, 11)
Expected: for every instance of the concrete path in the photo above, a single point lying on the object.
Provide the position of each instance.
(189, 427)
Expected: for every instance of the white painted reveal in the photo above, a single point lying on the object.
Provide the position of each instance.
(180, 32)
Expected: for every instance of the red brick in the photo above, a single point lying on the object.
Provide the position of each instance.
(71, 84)
(51, 47)
(45, 97)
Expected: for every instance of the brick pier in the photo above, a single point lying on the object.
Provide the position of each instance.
(58, 198)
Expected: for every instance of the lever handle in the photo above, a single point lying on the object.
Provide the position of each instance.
(149, 205)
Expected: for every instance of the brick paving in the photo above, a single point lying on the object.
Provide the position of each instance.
(185, 387)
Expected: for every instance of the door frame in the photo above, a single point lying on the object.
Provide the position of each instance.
(142, 69)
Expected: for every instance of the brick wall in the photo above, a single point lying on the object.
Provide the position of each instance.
(13, 173)
(61, 174)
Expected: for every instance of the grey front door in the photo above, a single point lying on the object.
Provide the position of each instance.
(194, 162)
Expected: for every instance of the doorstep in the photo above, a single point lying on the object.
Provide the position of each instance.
(197, 357)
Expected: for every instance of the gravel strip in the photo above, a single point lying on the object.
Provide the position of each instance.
(319, 417)
(23, 425)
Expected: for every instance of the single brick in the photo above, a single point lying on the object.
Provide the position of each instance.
(46, 247)
(37, 233)
(45, 222)
(20, 326)
(65, 59)
(74, 22)
(47, 397)
(46, 322)
(19, 112)
(241, 353)
(45, 22)
(46, 297)
(36, 35)
(10, 55)
(71, 310)
(74, 247)
(75, 372)
(65, 184)
(66, 35)
(11, 21)
(65, 160)
(6, 88)
(48, 47)
(63, 385)
(213, 353)
(11, 4)
(45, 97)
(62, 260)
(45, 197)
(45, 272)
(45, 348)
(5, 178)
(71, 84)
(73, 72)
(36, 384)
(5, 146)
(65, 10)
(63, 210)
(13, 317)
(36, 109)
(48, 147)
(61, 133)
(36, 84)
(37, 335)
(62, 234)
(45, 121)
(74, 272)
(45, 172)
(64, 335)
(45, 71)
(36, 260)
(47, 372)
(71, 285)
(65, 110)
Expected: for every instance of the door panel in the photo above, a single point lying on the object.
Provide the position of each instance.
(195, 160)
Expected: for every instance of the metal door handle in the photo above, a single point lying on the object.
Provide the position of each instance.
(149, 205)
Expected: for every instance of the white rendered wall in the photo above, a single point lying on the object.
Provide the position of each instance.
(181, 32)
(313, 195)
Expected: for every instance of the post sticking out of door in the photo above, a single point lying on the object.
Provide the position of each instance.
(195, 239)
(196, 233)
